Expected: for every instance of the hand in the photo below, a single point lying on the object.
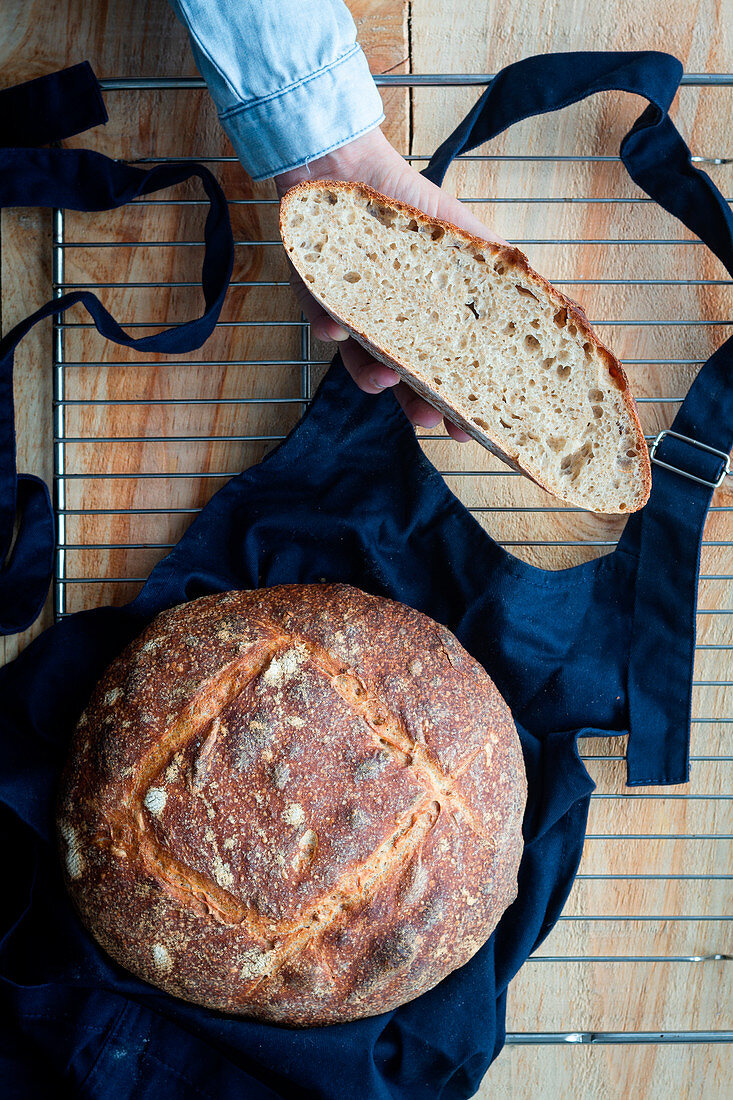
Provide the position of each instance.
(372, 160)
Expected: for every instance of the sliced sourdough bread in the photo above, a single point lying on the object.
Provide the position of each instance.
(477, 332)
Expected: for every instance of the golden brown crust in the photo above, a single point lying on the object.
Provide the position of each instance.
(515, 259)
(302, 804)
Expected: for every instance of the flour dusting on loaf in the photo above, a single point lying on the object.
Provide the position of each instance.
(303, 804)
(477, 332)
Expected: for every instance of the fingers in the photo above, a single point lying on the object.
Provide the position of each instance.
(369, 375)
(455, 432)
(416, 408)
(372, 376)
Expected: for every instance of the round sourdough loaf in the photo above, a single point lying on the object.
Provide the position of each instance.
(302, 804)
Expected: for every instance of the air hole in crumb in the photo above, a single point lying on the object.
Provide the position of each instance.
(499, 267)
(352, 277)
(401, 318)
(572, 330)
(531, 341)
(563, 370)
(588, 348)
(595, 396)
(479, 257)
(438, 233)
(511, 327)
(561, 318)
(412, 225)
(438, 381)
(472, 397)
(597, 411)
(382, 214)
(631, 454)
(481, 423)
(310, 278)
(330, 198)
(622, 507)
(527, 293)
(472, 307)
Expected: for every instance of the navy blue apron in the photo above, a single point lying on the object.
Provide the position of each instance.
(601, 649)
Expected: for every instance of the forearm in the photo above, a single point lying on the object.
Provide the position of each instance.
(288, 78)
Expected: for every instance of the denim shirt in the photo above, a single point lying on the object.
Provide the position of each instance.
(289, 80)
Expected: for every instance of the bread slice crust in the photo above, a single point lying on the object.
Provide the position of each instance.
(512, 264)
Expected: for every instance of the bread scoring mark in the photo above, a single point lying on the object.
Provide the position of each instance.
(278, 659)
(357, 887)
(185, 884)
(161, 958)
(390, 734)
(73, 855)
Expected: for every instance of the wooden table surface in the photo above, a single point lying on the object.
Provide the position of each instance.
(629, 900)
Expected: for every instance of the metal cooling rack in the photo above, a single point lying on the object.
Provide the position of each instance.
(63, 477)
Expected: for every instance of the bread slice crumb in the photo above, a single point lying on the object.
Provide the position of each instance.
(477, 332)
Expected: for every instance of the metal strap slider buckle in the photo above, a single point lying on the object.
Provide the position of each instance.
(722, 455)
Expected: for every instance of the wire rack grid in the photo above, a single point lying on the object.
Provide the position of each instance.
(67, 477)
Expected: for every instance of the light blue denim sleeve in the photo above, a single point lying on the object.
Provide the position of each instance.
(289, 80)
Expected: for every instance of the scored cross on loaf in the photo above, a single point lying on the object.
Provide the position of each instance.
(302, 804)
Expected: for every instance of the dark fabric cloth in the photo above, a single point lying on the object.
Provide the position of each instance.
(350, 497)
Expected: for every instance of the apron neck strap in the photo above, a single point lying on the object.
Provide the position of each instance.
(51, 108)
(48, 109)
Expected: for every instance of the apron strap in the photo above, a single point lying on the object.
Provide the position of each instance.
(52, 107)
(688, 462)
(77, 179)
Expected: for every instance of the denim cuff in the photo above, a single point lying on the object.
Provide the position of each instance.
(306, 119)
